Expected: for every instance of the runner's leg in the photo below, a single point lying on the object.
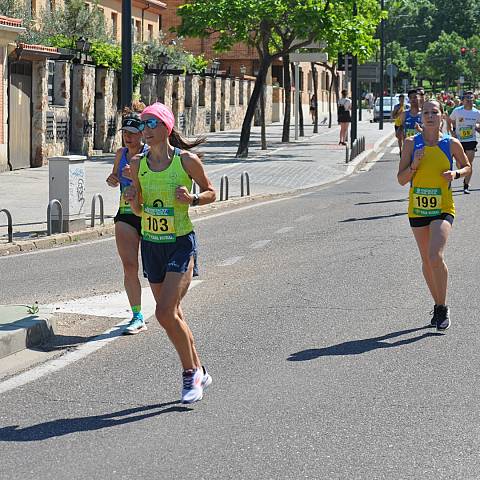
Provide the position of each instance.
(168, 296)
(471, 156)
(127, 240)
(439, 232)
(422, 237)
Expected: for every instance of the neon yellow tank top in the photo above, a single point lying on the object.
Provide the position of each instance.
(163, 217)
(398, 119)
(430, 194)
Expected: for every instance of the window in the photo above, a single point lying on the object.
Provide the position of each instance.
(51, 82)
(150, 31)
(232, 92)
(159, 23)
(115, 25)
(138, 31)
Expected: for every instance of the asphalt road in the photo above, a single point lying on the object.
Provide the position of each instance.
(312, 320)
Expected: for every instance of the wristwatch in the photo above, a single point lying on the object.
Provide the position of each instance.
(196, 199)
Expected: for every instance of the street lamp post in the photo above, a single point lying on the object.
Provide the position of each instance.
(127, 74)
(382, 65)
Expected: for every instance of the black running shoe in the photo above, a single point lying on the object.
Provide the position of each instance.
(443, 318)
(466, 188)
(434, 312)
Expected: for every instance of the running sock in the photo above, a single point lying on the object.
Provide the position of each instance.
(136, 310)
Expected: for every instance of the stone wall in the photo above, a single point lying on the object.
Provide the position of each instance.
(83, 103)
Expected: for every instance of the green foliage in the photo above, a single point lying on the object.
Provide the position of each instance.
(273, 26)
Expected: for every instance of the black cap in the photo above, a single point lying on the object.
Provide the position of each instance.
(131, 124)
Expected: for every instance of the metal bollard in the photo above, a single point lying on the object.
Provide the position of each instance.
(49, 215)
(92, 215)
(245, 176)
(224, 182)
(10, 224)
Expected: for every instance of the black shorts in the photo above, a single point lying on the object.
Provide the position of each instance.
(160, 258)
(131, 219)
(398, 127)
(424, 221)
(469, 146)
(344, 118)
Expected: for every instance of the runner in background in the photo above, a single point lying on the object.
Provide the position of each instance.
(411, 119)
(465, 122)
(127, 224)
(397, 112)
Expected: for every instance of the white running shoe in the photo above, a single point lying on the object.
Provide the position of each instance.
(207, 379)
(192, 390)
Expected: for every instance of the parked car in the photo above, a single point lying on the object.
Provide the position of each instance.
(388, 105)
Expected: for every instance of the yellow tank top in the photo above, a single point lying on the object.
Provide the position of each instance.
(430, 194)
(398, 119)
(163, 217)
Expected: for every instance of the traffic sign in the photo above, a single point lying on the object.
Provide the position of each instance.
(392, 70)
(309, 57)
(369, 72)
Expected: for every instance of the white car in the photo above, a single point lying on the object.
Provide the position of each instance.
(388, 105)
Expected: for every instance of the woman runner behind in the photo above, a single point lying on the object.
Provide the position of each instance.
(427, 163)
(161, 195)
(127, 224)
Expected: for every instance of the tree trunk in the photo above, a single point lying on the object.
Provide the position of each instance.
(315, 93)
(300, 110)
(242, 150)
(262, 118)
(287, 88)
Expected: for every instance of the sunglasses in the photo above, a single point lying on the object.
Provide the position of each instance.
(468, 98)
(150, 123)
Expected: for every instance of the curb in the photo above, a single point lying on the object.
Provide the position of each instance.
(25, 331)
(97, 232)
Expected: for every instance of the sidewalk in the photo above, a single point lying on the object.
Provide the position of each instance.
(312, 160)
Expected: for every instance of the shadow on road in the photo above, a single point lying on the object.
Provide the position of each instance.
(65, 426)
(357, 347)
(376, 217)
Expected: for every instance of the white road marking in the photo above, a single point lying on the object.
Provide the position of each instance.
(284, 230)
(259, 244)
(113, 305)
(229, 261)
(118, 306)
(303, 218)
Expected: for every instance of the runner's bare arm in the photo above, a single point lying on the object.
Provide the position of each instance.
(406, 168)
(461, 159)
(133, 193)
(194, 167)
(113, 178)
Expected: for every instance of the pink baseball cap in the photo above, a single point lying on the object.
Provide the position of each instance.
(163, 113)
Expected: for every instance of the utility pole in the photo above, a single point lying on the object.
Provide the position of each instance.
(382, 64)
(127, 76)
(353, 132)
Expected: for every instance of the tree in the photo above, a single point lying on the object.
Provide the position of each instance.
(274, 28)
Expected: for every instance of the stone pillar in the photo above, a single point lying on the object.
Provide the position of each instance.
(223, 102)
(215, 102)
(106, 110)
(165, 89)
(178, 102)
(191, 105)
(149, 88)
(39, 111)
(82, 115)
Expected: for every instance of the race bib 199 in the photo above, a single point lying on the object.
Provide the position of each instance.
(427, 202)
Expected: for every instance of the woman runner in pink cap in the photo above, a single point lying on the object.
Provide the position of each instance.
(162, 182)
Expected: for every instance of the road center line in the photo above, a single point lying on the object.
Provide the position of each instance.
(259, 244)
(284, 230)
(91, 346)
(229, 261)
